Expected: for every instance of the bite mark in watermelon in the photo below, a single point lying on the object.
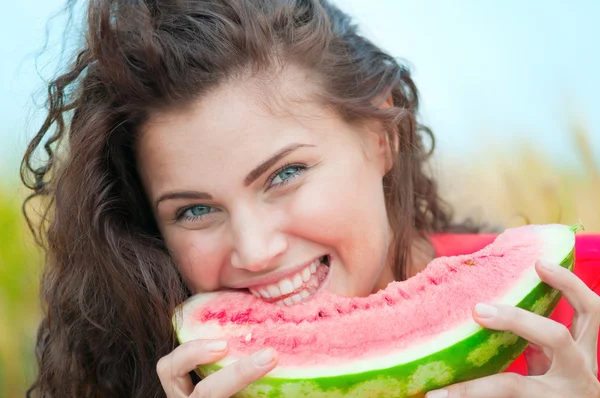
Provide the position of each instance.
(416, 335)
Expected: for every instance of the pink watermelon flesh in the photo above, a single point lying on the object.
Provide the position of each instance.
(322, 331)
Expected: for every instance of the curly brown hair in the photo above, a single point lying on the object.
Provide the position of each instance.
(109, 286)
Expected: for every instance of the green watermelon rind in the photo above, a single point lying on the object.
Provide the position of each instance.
(415, 378)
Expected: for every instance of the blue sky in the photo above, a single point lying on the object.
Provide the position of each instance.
(491, 74)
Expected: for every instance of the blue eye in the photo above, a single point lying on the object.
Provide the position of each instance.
(286, 174)
(195, 212)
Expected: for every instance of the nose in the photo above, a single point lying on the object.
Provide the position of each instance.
(257, 242)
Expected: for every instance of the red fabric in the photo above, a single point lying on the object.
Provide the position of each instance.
(587, 268)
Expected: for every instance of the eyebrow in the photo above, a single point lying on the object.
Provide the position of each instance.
(267, 164)
(250, 178)
(183, 195)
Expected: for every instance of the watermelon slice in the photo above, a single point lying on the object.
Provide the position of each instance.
(412, 337)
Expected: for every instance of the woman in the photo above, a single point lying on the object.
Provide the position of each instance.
(229, 144)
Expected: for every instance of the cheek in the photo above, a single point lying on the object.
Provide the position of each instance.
(197, 257)
(341, 209)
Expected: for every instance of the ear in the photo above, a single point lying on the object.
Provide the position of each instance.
(379, 140)
(387, 104)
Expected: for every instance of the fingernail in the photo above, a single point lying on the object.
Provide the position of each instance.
(216, 345)
(437, 394)
(549, 266)
(485, 310)
(264, 357)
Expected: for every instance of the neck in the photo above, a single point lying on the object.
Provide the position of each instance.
(386, 277)
(421, 252)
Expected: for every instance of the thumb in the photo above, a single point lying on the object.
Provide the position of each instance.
(538, 363)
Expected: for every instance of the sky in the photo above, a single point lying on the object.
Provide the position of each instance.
(490, 74)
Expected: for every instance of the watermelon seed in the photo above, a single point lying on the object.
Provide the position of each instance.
(434, 281)
(469, 262)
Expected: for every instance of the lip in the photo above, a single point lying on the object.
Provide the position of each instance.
(274, 276)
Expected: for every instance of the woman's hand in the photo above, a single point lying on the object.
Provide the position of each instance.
(173, 370)
(561, 363)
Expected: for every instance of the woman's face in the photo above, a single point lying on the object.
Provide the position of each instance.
(282, 200)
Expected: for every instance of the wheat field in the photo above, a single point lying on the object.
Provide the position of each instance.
(526, 188)
(532, 189)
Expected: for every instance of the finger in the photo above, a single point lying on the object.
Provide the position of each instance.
(584, 329)
(235, 377)
(534, 328)
(537, 361)
(587, 331)
(586, 303)
(576, 292)
(173, 369)
(501, 385)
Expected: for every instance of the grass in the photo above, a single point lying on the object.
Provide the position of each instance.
(20, 262)
(534, 188)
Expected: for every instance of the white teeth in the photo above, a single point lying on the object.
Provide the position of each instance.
(289, 285)
(297, 281)
(273, 291)
(305, 274)
(286, 286)
(296, 298)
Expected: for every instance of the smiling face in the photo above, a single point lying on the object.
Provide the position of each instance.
(247, 197)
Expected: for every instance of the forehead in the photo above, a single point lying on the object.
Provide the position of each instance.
(235, 115)
(231, 129)
(244, 106)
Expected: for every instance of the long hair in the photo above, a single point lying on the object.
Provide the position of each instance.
(109, 286)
